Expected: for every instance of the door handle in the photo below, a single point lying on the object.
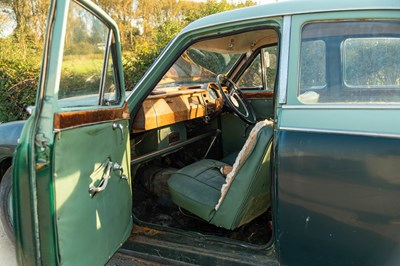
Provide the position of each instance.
(121, 128)
(93, 190)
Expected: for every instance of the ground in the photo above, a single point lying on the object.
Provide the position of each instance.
(7, 250)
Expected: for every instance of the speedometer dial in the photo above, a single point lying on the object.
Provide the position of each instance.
(212, 93)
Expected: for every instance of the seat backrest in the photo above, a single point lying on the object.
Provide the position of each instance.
(246, 193)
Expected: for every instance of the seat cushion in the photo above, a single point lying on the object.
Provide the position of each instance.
(197, 187)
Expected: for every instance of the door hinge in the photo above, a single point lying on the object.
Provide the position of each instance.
(42, 151)
(41, 141)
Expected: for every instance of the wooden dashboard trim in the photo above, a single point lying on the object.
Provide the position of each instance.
(80, 118)
(258, 94)
(173, 107)
(175, 93)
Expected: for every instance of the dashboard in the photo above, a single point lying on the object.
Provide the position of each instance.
(172, 105)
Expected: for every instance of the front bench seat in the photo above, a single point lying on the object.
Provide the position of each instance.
(202, 189)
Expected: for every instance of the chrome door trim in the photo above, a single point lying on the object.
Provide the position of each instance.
(341, 132)
(284, 59)
(343, 106)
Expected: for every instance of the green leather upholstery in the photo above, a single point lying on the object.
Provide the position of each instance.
(197, 187)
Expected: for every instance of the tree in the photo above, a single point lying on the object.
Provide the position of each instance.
(146, 26)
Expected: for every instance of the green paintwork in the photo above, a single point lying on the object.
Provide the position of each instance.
(338, 199)
(287, 8)
(365, 120)
(24, 228)
(197, 187)
(42, 238)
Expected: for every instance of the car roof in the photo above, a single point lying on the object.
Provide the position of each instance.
(291, 7)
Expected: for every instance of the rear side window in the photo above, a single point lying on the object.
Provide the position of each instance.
(372, 62)
(352, 62)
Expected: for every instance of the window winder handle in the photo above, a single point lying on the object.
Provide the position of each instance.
(121, 128)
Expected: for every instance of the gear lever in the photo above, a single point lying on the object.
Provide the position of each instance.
(218, 132)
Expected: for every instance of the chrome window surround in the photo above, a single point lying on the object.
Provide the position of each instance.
(284, 59)
(341, 132)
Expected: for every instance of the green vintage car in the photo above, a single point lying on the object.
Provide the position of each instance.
(264, 135)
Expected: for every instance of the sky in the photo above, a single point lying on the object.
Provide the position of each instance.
(7, 25)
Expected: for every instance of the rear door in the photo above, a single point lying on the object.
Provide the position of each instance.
(72, 192)
(338, 140)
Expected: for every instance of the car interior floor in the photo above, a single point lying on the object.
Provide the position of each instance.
(151, 209)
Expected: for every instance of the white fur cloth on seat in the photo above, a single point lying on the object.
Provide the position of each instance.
(241, 158)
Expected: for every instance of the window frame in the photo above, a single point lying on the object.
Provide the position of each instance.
(111, 52)
(249, 63)
(293, 82)
(255, 56)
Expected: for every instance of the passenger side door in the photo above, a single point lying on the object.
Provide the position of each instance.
(74, 159)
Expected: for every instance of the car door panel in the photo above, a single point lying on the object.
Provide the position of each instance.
(81, 156)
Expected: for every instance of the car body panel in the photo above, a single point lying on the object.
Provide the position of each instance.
(338, 198)
(283, 8)
(24, 229)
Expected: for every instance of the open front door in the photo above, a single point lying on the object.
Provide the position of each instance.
(72, 188)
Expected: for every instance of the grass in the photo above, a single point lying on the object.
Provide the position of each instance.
(80, 74)
(79, 64)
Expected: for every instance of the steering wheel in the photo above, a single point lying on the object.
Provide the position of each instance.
(236, 100)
